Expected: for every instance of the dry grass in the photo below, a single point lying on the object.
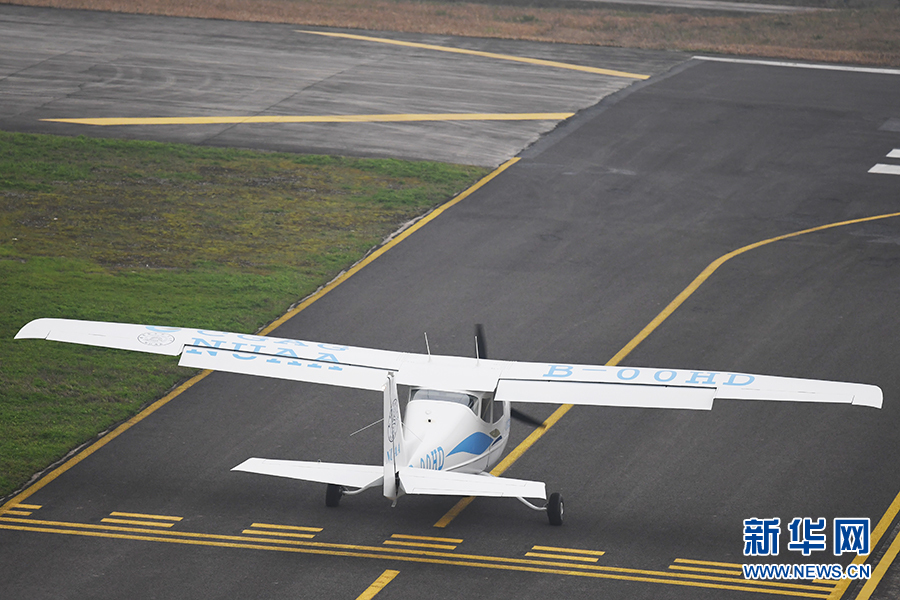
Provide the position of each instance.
(869, 36)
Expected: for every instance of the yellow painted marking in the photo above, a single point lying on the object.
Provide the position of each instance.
(393, 242)
(883, 564)
(234, 120)
(562, 557)
(640, 337)
(28, 506)
(143, 516)
(378, 585)
(508, 57)
(709, 570)
(419, 545)
(50, 477)
(426, 538)
(879, 570)
(710, 563)
(307, 536)
(488, 562)
(131, 522)
(39, 484)
(19, 513)
(554, 549)
(288, 527)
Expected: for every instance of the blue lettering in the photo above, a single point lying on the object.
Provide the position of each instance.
(634, 373)
(244, 357)
(332, 347)
(707, 378)
(201, 342)
(163, 329)
(659, 376)
(286, 352)
(252, 338)
(292, 342)
(204, 332)
(327, 357)
(559, 371)
(733, 379)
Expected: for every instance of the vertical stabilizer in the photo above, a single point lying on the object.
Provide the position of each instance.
(393, 439)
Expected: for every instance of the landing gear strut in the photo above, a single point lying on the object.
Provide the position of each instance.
(553, 508)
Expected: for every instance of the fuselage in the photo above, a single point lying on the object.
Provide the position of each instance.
(454, 431)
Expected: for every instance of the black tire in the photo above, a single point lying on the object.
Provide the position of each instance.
(333, 495)
(555, 509)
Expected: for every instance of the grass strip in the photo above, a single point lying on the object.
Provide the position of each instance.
(171, 234)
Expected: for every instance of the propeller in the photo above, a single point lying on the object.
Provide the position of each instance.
(481, 352)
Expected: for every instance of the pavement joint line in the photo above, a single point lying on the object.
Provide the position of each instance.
(348, 550)
(507, 57)
(376, 118)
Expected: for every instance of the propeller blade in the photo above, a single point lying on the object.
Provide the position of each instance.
(520, 416)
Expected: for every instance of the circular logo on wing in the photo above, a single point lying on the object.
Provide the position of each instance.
(155, 338)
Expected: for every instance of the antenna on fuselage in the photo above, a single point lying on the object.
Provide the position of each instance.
(427, 347)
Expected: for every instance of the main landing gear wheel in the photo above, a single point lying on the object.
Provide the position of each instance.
(333, 495)
(555, 509)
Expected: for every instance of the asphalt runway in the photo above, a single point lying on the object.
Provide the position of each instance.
(79, 64)
(565, 256)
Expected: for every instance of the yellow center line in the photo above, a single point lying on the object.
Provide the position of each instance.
(513, 456)
(507, 57)
(378, 585)
(380, 118)
(708, 570)
(710, 563)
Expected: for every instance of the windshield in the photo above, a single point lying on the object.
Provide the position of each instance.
(455, 397)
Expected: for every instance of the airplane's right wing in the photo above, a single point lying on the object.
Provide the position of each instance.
(642, 387)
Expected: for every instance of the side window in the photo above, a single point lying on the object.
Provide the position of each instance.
(487, 408)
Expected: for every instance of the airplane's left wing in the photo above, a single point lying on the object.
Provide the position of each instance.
(247, 354)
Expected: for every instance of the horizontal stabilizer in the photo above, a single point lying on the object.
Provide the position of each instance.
(354, 476)
(449, 483)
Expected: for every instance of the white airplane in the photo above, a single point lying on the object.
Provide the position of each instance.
(457, 419)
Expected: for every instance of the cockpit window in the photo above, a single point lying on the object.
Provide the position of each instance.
(456, 397)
